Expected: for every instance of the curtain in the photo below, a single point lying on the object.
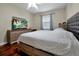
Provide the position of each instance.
(51, 23)
(41, 23)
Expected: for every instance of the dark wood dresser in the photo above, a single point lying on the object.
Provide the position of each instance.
(12, 35)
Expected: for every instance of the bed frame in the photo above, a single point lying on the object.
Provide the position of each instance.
(32, 51)
(72, 26)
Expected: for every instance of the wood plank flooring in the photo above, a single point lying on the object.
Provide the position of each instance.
(10, 50)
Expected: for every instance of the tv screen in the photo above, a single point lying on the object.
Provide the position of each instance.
(18, 23)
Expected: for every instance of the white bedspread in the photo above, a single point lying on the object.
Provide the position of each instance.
(58, 42)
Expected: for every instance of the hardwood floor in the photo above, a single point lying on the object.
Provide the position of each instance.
(10, 50)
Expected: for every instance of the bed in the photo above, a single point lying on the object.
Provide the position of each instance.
(56, 42)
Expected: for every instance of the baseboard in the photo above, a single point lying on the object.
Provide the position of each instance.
(13, 42)
(3, 43)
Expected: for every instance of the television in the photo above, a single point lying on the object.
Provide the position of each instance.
(19, 23)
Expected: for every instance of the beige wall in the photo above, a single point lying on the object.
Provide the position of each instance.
(57, 17)
(6, 13)
(72, 9)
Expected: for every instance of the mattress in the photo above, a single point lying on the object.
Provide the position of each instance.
(59, 41)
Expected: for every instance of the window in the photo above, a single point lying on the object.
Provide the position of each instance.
(46, 22)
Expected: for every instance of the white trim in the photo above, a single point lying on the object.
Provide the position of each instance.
(13, 42)
(3, 43)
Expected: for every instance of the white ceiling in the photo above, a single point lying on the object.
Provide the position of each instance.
(42, 6)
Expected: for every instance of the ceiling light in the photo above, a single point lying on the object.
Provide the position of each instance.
(34, 5)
